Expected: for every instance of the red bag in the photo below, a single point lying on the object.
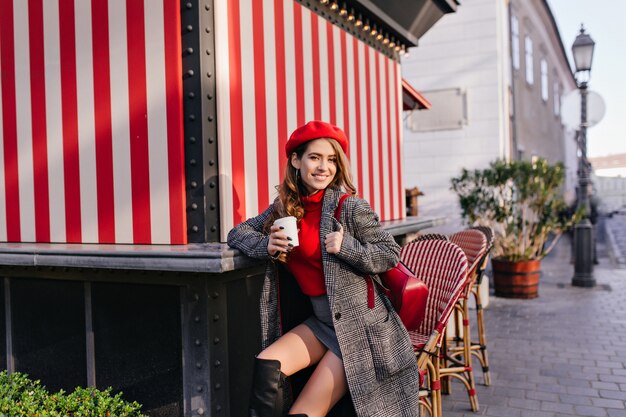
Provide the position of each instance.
(406, 292)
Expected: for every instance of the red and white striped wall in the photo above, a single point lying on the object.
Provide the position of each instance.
(91, 144)
(280, 65)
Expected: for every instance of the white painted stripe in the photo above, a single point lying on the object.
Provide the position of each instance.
(364, 115)
(157, 124)
(398, 115)
(273, 152)
(394, 134)
(24, 121)
(336, 40)
(86, 124)
(323, 77)
(373, 99)
(384, 169)
(3, 211)
(307, 59)
(223, 117)
(118, 55)
(355, 160)
(54, 121)
(290, 65)
(248, 96)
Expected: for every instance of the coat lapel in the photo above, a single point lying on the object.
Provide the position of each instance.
(329, 262)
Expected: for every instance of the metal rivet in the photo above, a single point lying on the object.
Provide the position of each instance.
(192, 117)
(218, 408)
(189, 28)
(206, 7)
(195, 228)
(190, 73)
(208, 52)
(213, 228)
(216, 340)
(198, 342)
(212, 206)
(211, 184)
(201, 411)
(211, 162)
(196, 319)
(192, 139)
(199, 365)
(189, 50)
(191, 94)
(218, 386)
(194, 184)
(199, 388)
(196, 296)
(189, 5)
(211, 140)
(194, 206)
(216, 294)
(209, 96)
(192, 162)
(208, 74)
(210, 118)
(216, 317)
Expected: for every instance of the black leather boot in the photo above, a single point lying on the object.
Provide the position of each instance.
(266, 398)
(297, 415)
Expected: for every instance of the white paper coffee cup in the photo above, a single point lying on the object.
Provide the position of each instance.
(290, 226)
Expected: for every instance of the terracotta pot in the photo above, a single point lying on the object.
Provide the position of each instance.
(518, 279)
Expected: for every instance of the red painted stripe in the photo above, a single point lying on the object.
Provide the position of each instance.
(38, 113)
(138, 123)
(357, 110)
(259, 103)
(396, 114)
(297, 29)
(332, 106)
(174, 114)
(381, 165)
(9, 122)
(315, 52)
(281, 83)
(389, 138)
(344, 76)
(69, 115)
(370, 140)
(236, 113)
(102, 116)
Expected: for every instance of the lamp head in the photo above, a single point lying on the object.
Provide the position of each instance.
(582, 50)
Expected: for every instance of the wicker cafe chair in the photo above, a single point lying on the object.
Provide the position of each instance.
(479, 349)
(443, 267)
(457, 360)
(431, 236)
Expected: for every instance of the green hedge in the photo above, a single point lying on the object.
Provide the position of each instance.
(23, 397)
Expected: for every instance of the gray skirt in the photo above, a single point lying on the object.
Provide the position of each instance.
(321, 324)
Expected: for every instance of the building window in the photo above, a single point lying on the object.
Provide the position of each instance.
(528, 47)
(557, 98)
(515, 42)
(544, 79)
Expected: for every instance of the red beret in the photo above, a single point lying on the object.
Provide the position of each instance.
(315, 129)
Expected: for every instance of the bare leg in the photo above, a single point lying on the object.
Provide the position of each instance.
(325, 387)
(296, 350)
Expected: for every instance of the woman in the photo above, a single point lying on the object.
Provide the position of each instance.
(355, 347)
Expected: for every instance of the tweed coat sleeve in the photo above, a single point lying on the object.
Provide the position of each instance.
(369, 248)
(249, 238)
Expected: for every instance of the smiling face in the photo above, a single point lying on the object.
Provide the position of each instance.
(317, 166)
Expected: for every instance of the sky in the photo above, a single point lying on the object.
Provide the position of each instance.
(604, 22)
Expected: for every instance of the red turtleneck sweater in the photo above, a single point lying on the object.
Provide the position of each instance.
(305, 260)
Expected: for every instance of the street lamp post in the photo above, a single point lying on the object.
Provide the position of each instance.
(582, 50)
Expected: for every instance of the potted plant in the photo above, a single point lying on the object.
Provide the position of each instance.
(521, 201)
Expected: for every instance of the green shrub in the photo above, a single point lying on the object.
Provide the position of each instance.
(23, 397)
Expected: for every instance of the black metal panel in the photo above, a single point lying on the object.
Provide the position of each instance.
(200, 125)
(137, 335)
(244, 338)
(219, 350)
(48, 324)
(3, 329)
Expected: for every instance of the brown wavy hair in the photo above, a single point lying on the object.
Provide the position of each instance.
(288, 202)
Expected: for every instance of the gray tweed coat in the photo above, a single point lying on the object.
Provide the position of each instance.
(378, 357)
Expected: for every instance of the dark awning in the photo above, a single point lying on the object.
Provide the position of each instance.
(412, 99)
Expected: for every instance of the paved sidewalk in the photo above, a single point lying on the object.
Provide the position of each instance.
(562, 354)
(616, 238)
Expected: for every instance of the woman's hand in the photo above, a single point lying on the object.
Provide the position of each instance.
(279, 241)
(333, 241)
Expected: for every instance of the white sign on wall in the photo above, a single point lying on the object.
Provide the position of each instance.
(448, 111)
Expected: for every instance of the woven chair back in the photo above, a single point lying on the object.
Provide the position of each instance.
(488, 232)
(431, 236)
(473, 243)
(443, 267)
